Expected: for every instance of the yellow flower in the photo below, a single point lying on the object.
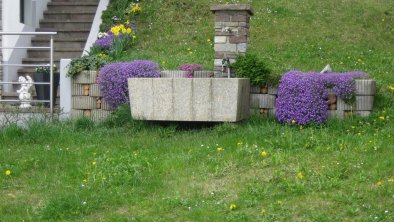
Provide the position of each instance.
(84, 181)
(93, 163)
(128, 30)
(293, 122)
(391, 180)
(381, 117)
(127, 22)
(379, 183)
(300, 175)
(264, 154)
(233, 206)
(8, 172)
(390, 88)
(136, 8)
(220, 149)
(263, 211)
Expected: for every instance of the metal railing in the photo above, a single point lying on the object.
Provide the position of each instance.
(50, 65)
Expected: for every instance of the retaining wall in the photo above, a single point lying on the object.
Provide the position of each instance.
(86, 98)
(262, 100)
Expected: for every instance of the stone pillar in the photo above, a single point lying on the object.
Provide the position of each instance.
(231, 31)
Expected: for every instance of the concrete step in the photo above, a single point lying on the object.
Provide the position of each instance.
(60, 52)
(61, 43)
(63, 9)
(69, 16)
(82, 24)
(76, 1)
(72, 6)
(73, 33)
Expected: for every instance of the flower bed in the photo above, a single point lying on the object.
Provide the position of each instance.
(305, 98)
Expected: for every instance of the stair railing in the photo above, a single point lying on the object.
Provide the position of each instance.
(50, 48)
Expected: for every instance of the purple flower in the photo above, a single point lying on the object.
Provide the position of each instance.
(302, 97)
(113, 79)
(190, 68)
(105, 42)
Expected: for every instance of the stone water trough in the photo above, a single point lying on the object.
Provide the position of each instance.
(189, 99)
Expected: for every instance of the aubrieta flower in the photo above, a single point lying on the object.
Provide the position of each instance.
(113, 79)
(302, 97)
(190, 68)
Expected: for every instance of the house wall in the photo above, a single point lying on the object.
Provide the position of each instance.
(1, 51)
(11, 23)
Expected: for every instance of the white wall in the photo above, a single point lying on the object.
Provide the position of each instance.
(11, 23)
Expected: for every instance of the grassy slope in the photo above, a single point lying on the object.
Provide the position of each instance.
(302, 34)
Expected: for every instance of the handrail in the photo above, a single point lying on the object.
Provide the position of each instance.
(50, 65)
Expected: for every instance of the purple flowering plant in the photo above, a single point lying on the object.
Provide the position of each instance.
(190, 68)
(115, 41)
(302, 97)
(113, 79)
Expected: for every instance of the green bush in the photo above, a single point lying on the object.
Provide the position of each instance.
(249, 66)
(86, 62)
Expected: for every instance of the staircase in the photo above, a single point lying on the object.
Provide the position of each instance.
(72, 20)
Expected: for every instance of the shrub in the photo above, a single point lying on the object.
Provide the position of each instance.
(190, 68)
(249, 66)
(86, 62)
(113, 79)
(302, 97)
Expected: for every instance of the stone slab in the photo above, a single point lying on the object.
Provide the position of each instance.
(365, 87)
(94, 90)
(363, 103)
(99, 115)
(189, 99)
(86, 77)
(77, 90)
(141, 98)
(83, 102)
(173, 74)
(265, 101)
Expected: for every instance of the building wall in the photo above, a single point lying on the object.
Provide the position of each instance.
(1, 53)
(10, 19)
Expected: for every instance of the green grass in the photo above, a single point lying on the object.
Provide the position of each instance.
(127, 170)
(175, 172)
(304, 35)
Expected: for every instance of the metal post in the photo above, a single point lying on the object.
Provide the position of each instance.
(51, 77)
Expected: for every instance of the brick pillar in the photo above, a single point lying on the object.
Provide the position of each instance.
(231, 31)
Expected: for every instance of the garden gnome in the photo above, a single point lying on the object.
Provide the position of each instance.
(24, 91)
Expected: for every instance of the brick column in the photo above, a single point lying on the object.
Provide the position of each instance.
(231, 31)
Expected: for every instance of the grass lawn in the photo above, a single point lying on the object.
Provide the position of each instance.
(255, 170)
(342, 171)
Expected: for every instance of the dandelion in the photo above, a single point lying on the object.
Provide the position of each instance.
(136, 8)
(84, 181)
(381, 117)
(264, 154)
(8, 172)
(300, 175)
(220, 149)
(391, 180)
(379, 183)
(390, 88)
(94, 163)
(233, 206)
(263, 211)
(293, 122)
